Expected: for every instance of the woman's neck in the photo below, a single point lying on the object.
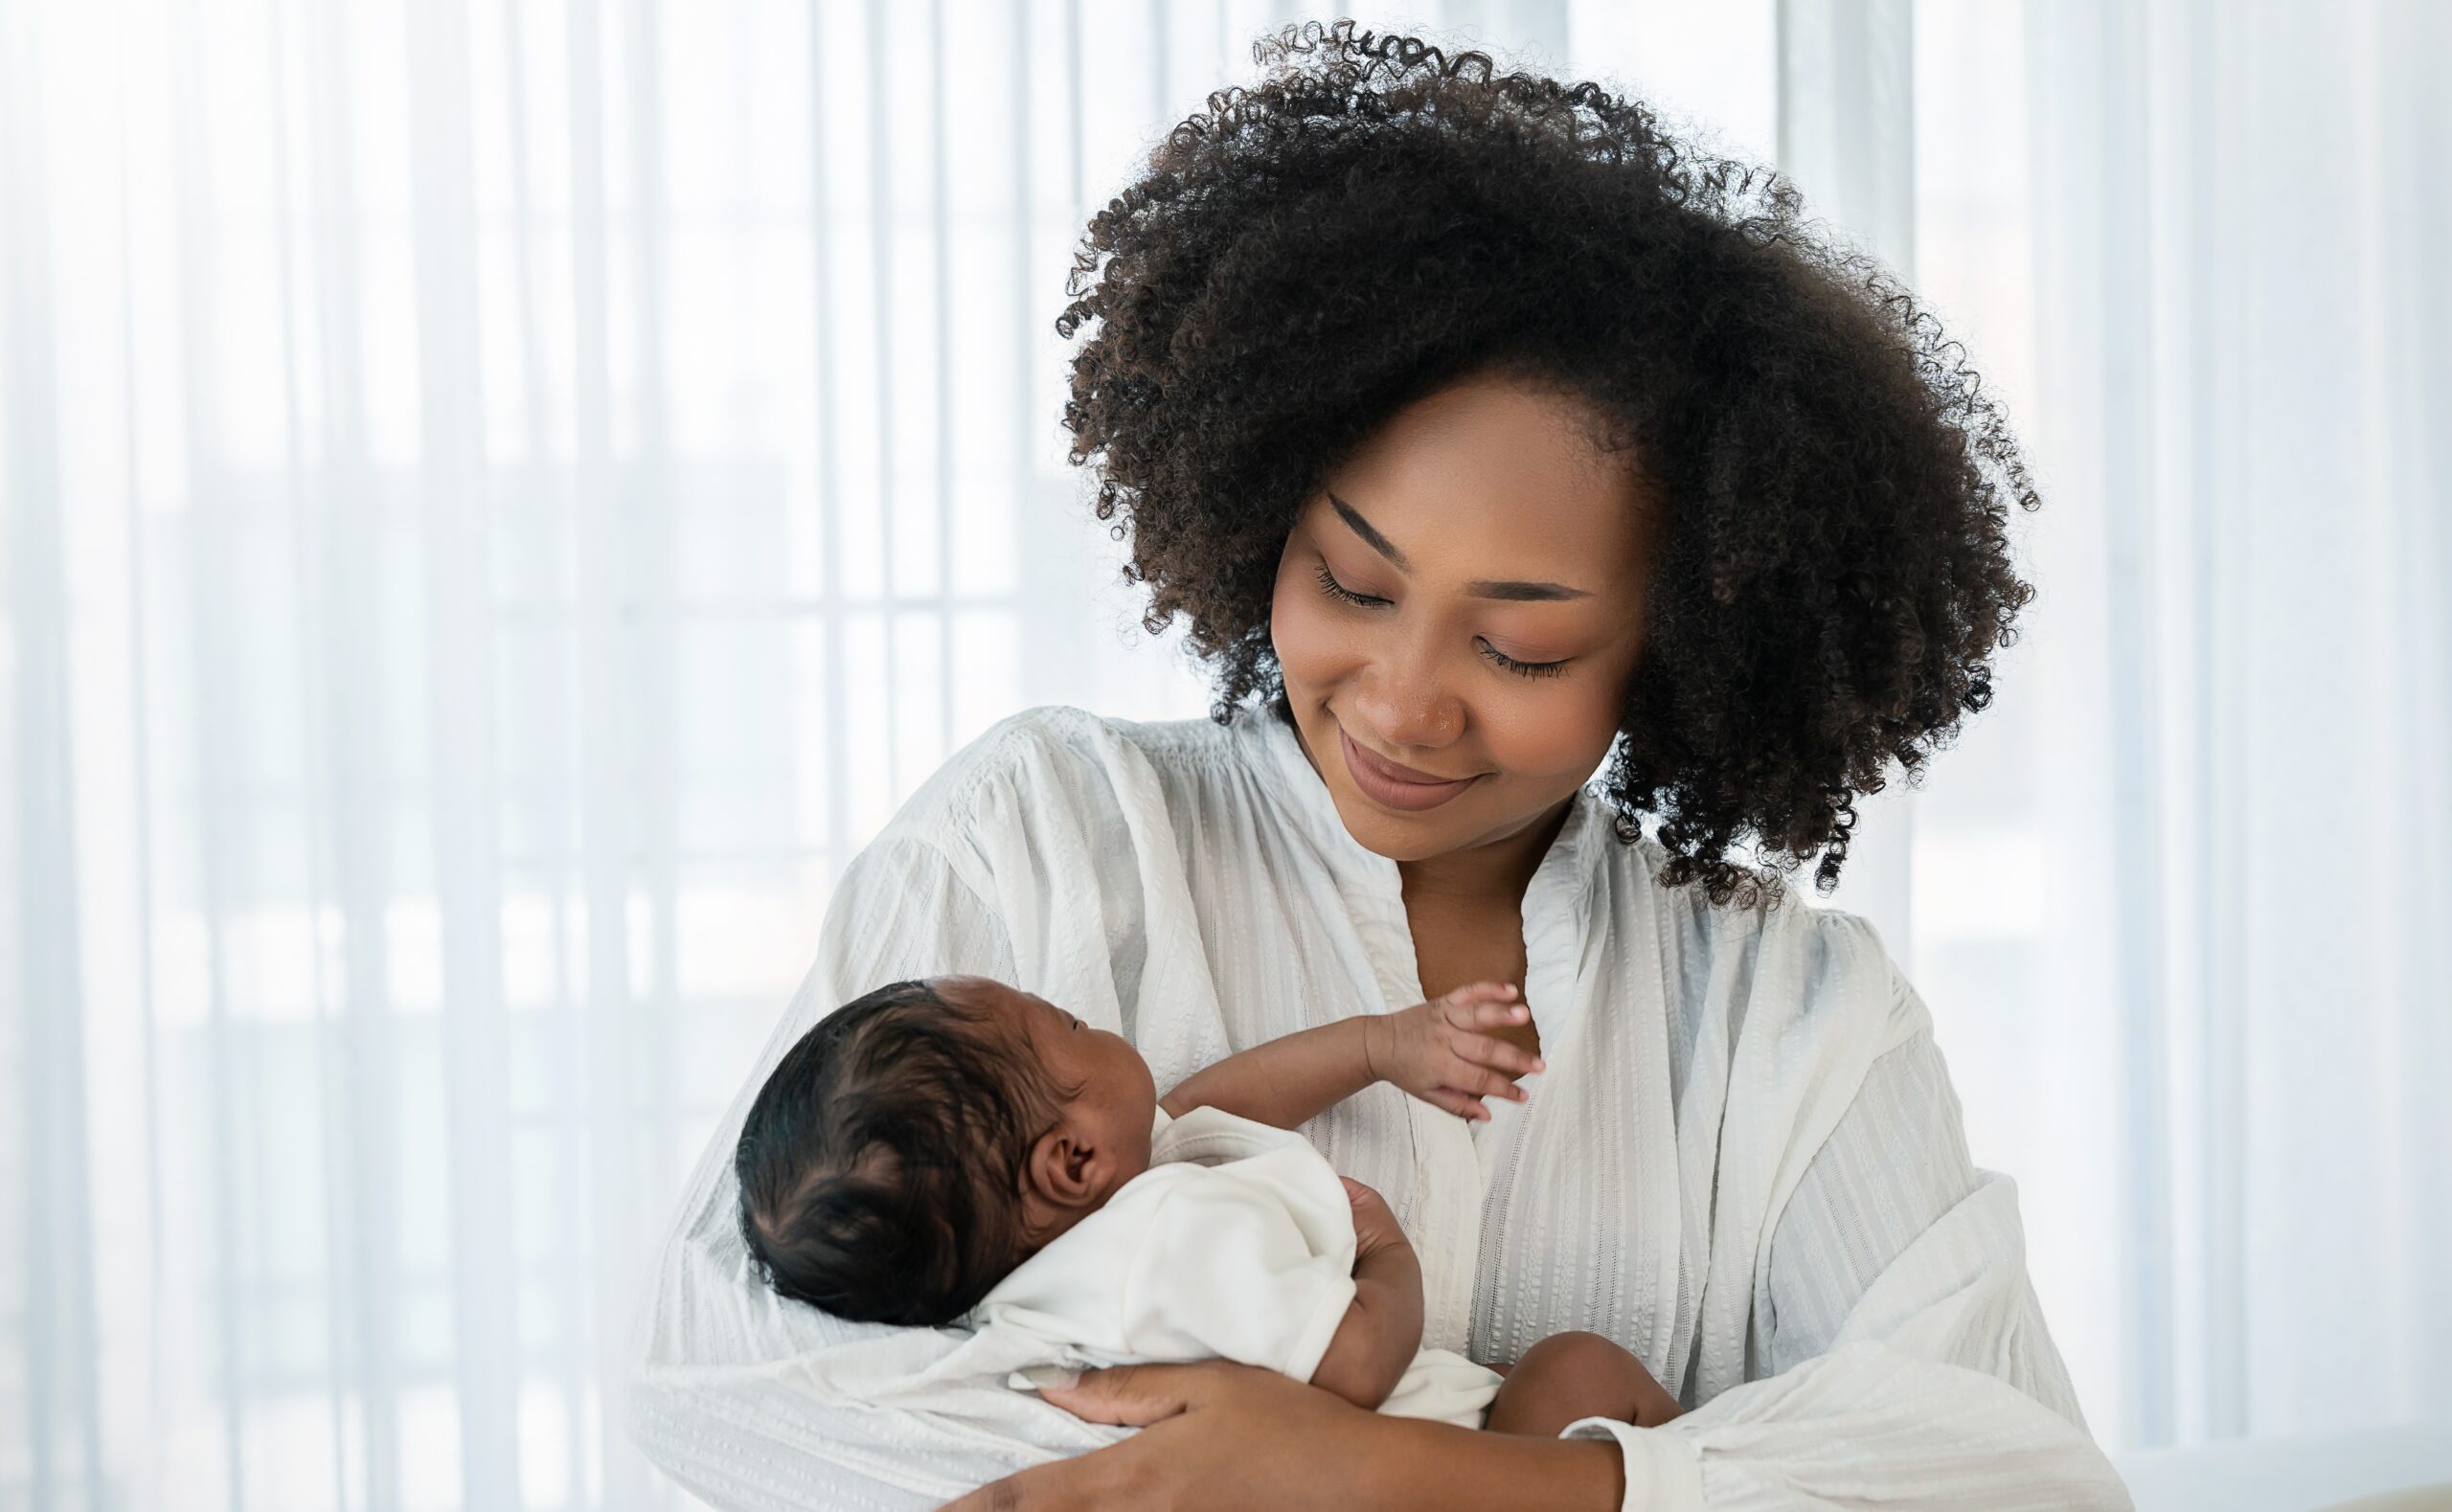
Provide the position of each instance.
(1493, 874)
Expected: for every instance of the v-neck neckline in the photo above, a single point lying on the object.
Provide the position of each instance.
(1557, 901)
(1465, 1169)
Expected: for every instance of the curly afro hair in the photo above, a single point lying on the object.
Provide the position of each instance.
(1376, 220)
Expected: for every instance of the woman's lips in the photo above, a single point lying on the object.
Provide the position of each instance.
(1385, 782)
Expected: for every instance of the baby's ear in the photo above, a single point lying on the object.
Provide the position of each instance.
(1064, 1170)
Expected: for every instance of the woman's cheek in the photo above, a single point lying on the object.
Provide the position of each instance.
(1309, 645)
(1552, 734)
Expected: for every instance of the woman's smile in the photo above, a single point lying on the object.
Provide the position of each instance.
(1394, 784)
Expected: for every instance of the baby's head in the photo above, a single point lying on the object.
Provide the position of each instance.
(919, 1142)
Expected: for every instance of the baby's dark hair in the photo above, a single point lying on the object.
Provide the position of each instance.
(880, 1166)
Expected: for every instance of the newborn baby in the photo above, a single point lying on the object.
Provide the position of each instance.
(956, 1151)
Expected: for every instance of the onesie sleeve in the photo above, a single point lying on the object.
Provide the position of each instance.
(1226, 1271)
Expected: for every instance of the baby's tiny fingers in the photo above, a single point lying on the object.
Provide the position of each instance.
(1492, 1015)
(1487, 987)
(1461, 1002)
(1484, 1082)
(1481, 1049)
(1456, 1103)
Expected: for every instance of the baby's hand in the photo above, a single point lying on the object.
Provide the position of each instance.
(1441, 1050)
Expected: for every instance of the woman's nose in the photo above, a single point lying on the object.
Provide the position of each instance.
(1405, 704)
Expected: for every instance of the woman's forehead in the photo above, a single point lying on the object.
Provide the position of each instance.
(1490, 483)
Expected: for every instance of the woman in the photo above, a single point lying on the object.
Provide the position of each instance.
(1484, 436)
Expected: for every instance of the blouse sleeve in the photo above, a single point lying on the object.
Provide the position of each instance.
(709, 1392)
(1905, 1357)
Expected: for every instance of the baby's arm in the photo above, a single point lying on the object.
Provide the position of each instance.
(1382, 1329)
(1285, 1081)
(1437, 1051)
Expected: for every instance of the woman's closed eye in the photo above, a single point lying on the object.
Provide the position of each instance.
(1330, 585)
(1497, 658)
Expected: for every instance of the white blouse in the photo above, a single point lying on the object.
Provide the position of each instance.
(1745, 1161)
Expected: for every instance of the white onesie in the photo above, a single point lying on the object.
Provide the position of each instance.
(1237, 1242)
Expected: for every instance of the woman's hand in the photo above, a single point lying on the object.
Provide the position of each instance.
(1441, 1050)
(1224, 1437)
(1214, 1435)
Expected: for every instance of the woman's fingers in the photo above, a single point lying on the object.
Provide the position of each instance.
(1127, 1395)
(1263, 1439)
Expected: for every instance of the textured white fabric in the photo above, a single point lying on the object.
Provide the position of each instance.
(1745, 1153)
(1237, 1244)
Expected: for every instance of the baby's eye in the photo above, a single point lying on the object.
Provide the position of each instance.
(1077, 1023)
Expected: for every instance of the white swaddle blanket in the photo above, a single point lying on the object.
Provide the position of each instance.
(1237, 1242)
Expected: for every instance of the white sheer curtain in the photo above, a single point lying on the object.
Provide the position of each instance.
(2182, 890)
(498, 501)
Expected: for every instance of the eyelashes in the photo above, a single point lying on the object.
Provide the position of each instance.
(1497, 658)
(1338, 591)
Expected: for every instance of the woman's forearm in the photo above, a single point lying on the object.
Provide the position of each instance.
(1412, 1464)
(1285, 1082)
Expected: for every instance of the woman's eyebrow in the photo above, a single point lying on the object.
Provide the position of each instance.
(1521, 593)
(1512, 590)
(1370, 536)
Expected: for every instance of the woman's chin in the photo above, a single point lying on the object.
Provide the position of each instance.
(1395, 835)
